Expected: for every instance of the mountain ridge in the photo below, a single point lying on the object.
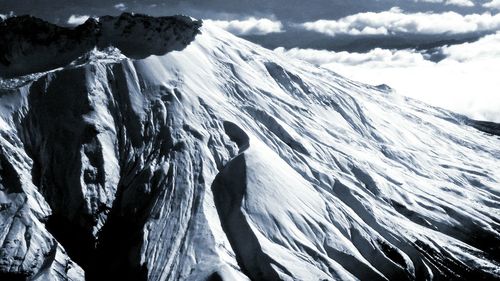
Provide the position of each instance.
(225, 160)
(30, 45)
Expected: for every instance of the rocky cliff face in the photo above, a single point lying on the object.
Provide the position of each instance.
(225, 161)
(29, 44)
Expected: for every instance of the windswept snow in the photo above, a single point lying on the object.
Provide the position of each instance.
(228, 161)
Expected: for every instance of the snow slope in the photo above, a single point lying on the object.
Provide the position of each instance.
(226, 161)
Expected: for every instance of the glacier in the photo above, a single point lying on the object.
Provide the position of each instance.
(222, 160)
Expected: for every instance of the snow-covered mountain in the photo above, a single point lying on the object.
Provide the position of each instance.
(223, 160)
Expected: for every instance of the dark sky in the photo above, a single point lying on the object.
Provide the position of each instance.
(285, 10)
(289, 12)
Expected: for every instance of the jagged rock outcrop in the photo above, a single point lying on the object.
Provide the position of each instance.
(29, 44)
(226, 161)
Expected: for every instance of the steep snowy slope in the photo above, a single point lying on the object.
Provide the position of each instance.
(226, 161)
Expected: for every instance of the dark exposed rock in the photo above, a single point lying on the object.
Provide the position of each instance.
(29, 44)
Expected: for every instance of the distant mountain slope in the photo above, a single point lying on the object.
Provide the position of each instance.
(226, 161)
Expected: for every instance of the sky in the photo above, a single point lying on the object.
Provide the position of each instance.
(444, 52)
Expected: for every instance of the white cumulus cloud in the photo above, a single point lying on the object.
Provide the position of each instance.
(397, 21)
(493, 4)
(466, 81)
(120, 6)
(376, 58)
(461, 3)
(77, 19)
(250, 26)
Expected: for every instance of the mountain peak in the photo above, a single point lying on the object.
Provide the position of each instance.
(29, 44)
(228, 161)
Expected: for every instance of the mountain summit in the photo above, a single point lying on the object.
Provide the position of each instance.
(29, 44)
(222, 160)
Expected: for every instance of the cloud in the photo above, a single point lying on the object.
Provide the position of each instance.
(465, 81)
(376, 58)
(461, 3)
(77, 19)
(6, 16)
(250, 26)
(397, 21)
(487, 48)
(120, 6)
(493, 4)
